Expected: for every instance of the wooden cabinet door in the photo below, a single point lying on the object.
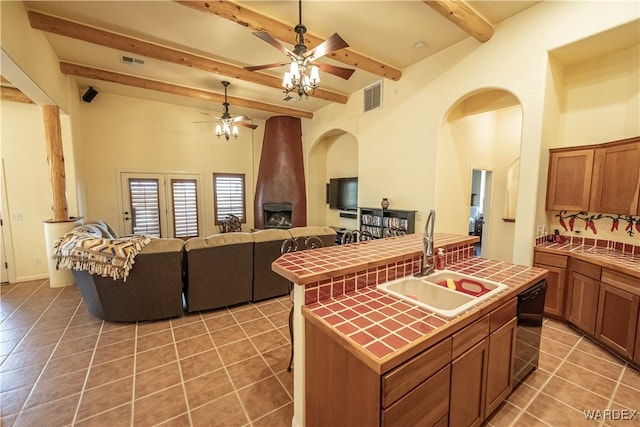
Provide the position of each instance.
(569, 179)
(617, 319)
(554, 299)
(468, 386)
(502, 346)
(636, 354)
(615, 184)
(582, 302)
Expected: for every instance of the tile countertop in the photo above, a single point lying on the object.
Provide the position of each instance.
(381, 330)
(606, 257)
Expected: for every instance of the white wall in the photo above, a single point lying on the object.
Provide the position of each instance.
(401, 160)
(122, 134)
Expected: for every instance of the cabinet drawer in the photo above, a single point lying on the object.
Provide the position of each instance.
(426, 405)
(550, 259)
(586, 269)
(470, 336)
(502, 315)
(406, 377)
(621, 281)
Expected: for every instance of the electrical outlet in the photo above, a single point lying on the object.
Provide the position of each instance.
(16, 216)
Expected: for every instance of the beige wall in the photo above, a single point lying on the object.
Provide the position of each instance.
(122, 134)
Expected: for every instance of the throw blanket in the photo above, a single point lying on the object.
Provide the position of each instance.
(82, 250)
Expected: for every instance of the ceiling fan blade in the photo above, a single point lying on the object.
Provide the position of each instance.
(241, 118)
(341, 72)
(247, 125)
(206, 121)
(273, 42)
(334, 42)
(262, 67)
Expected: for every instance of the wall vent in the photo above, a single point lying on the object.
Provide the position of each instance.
(373, 97)
(130, 60)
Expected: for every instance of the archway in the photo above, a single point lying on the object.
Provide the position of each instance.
(481, 132)
(333, 155)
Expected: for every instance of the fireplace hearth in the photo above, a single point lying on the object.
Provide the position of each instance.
(277, 215)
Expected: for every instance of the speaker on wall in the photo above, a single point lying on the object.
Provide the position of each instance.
(89, 94)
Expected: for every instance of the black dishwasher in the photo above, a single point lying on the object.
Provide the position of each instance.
(529, 330)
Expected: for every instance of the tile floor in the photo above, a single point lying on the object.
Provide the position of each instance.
(59, 366)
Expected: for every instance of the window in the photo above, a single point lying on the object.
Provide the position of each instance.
(228, 196)
(185, 208)
(145, 208)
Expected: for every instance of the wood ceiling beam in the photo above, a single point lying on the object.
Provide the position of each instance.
(284, 32)
(13, 94)
(100, 37)
(464, 17)
(128, 80)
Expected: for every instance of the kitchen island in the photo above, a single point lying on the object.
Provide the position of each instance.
(363, 357)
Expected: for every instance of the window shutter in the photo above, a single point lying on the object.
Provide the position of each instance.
(185, 208)
(145, 209)
(229, 196)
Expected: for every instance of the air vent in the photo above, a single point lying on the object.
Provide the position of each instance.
(373, 97)
(130, 60)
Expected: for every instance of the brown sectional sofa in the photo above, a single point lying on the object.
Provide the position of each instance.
(212, 272)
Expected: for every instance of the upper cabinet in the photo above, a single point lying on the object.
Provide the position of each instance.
(601, 178)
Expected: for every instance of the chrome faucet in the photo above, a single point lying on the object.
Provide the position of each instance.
(428, 257)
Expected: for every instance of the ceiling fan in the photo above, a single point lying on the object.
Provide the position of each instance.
(228, 126)
(303, 76)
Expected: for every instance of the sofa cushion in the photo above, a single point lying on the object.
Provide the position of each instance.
(218, 240)
(270, 235)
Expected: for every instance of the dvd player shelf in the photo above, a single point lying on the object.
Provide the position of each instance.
(387, 222)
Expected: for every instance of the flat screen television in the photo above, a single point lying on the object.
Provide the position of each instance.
(343, 193)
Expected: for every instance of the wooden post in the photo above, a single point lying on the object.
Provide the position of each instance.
(55, 157)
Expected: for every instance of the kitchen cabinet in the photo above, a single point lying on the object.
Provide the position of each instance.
(569, 179)
(583, 288)
(636, 354)
(469, 385)
(618, 305)
(615, 184)
(603, 178)
(457, 381)
(557, 267)
(502, 349)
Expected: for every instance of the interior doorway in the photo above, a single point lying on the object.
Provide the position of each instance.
(480, 209)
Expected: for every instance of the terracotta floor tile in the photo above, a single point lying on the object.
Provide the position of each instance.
(120, 416)
(12, 400)
(594, 349)
(554, 348)
(271, 307)
(504, 416)
(155, 379)
(522, 395)
(110, 371)
(631, 377)
(269, 341)
(257, 326)
(280, 417)
(32, 341)
(228, 335)
(81, 331)
(237, 351)
(155, 357)
(38, 357)
(199, 364)
(114, 351)
(596, 364)
(556, 413)
(190, 330)
(567, 338)
(286, 379)
(105, 397)
(78, 345)
(528, 420)
(548, 362)
(60, 387)
(260, 398)
(226, 411)
(116, 336)
(194, 345)
(65, 365)
(221, 321)
(57, 413)
(207, 388)
(573, 395)
(185, 320)
(20, 377)
(279, 319)
(151, 327)
(159, 407)
(278, 358)
(248, 371)
(245, 313)
(153, 340)
(627, 396)
(586, 378)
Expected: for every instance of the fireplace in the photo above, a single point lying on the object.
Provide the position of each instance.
(277, 215)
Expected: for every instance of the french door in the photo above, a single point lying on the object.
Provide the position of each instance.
(162, 205)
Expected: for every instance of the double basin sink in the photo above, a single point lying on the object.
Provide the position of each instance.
(446, 293)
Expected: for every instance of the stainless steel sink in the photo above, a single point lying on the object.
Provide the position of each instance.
(446, 298)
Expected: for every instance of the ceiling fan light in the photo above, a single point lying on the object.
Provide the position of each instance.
(315, 76)
(294, 71)
(286, 81)
(218, 130)
(235, 131)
